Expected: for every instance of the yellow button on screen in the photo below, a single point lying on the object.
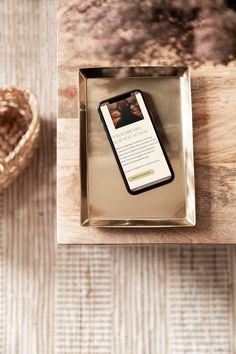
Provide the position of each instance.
(141, 175)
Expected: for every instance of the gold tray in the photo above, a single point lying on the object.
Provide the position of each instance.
(105, 201)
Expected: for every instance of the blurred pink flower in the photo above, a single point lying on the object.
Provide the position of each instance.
(195, 30)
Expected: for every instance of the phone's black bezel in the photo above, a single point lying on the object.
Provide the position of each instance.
(119, 98)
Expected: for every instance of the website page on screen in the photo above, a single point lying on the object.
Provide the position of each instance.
(136, 142)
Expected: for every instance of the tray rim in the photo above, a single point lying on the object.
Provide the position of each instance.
(84, 74)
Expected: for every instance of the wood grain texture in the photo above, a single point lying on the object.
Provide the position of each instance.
(214, 130)
(215, 171)
(166, 299)
(90, 299)
(175, 299)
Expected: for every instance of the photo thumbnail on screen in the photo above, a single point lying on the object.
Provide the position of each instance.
(125, 112)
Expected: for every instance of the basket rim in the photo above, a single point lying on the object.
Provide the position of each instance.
(34, 106)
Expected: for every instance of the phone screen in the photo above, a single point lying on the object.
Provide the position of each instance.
(135, 141)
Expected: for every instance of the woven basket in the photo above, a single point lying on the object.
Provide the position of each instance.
(19, 131)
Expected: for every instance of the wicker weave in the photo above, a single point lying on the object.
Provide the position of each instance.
(19, 131)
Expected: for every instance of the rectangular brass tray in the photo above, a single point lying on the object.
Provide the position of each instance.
(105, 201)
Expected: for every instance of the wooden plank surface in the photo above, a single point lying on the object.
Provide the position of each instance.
(214, 106)
(214, 131)
(90, 299)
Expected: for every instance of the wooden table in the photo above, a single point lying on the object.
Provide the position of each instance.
(214, 130)
(214, 107)
(92, 299)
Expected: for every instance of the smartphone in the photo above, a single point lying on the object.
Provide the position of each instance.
(141, 158)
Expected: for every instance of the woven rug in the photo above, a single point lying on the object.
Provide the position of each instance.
(90, 300)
